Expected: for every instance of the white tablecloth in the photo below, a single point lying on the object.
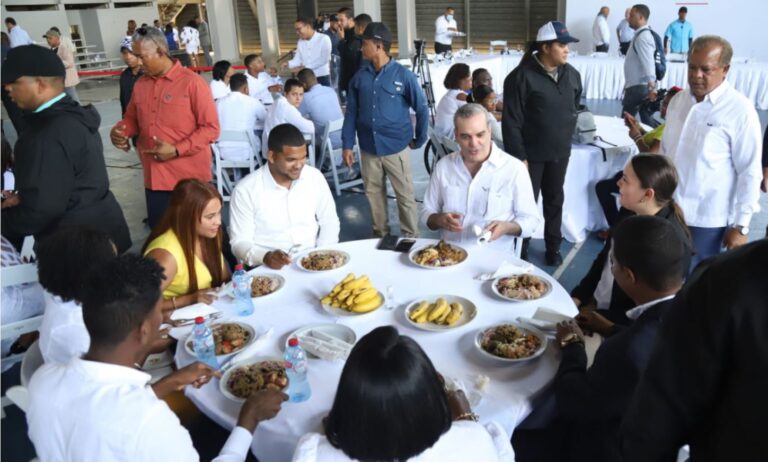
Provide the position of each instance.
(588, 165)
(453, 352)
(603, 77)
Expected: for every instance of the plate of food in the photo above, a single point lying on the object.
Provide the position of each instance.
(329, 341)
(521, 287)
(436, 256)
(264, 285)
(511, 342)
(229, 337)
(241, 381)
(317, 261)
(440, 312)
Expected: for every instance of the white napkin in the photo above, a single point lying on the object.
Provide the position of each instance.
(482, 237)
(251, 350)
(513, 266)
(189, 312)
(545, 319)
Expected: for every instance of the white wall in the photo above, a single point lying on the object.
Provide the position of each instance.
(37, 23)
(739, 21)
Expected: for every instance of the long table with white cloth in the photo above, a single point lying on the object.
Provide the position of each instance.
(506, 398)
(603, 76)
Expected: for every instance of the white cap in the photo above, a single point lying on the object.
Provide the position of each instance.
(546, 33)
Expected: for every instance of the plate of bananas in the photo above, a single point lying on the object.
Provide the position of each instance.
(440, 312)
(353, 296)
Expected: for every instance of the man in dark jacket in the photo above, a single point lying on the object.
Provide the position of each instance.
(350, 51)
(649, 261)
(541, 98)
(706, 381)
(60, 172)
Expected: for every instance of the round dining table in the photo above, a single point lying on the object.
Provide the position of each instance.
(505, 398)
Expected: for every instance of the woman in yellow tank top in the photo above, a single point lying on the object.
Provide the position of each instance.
(187, 243)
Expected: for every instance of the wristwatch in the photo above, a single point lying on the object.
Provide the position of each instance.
(743, 230)
(571, 337)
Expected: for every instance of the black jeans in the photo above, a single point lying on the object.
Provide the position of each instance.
(324, 80)
(623, 48)
(605, 190)
(157, 202)
(549, 177)
(440, 48)
(633, 100)
(602, 48)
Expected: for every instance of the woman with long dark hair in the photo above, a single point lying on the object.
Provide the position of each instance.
(222, 71)
(391, 405)
(646, 187)
(188, 245)
(458, 81)
(541, 99)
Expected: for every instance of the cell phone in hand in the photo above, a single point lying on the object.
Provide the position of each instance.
(405, 245)
(387, 243)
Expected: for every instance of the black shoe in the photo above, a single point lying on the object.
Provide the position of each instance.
(554, 258)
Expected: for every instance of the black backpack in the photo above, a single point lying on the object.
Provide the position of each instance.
(659, 58)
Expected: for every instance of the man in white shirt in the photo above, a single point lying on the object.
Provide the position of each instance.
(445, 30)
(712, 135)
(282, 206)
(260, 85)
(313, 51)
(479, 186)
(286, 111)
(600, 31)
(239, 112)
(16, 34)
(321, 106)
(101, 407)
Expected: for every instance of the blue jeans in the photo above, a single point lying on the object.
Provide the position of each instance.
(707, 242)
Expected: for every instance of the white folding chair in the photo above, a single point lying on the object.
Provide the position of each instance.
(223, 181)
(330, 152)
(310, 140)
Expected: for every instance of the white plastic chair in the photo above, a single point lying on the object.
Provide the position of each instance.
(310, 139)
(330, 152)
(224, 182)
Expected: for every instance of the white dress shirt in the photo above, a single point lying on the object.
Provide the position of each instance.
(442, 34)
(464, 441)
(258, 87)
(240, 112)
(501, 190)
(219, 89)
(321, 106)
(265, 216)
(314, 54)
(446, 109)
(19, 37)
(635, 312)
(93, 411)
(716, 146)
(63, 335)
(283, 112)
(600, 31)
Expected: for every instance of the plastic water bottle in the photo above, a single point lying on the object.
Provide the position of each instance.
(296, 369)
(241, 283)
(203, 344)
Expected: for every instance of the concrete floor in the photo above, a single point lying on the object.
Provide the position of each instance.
(127, 184)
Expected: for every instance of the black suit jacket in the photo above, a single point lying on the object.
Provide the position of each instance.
(706, 382)
(591, 402)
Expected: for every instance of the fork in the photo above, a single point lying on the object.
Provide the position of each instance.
(187, 321)
(294, 249)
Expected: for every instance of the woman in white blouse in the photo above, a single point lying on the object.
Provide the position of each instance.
(286, 111)
(391, 405)
(222, 71)
(63, 261)
(190, 37)
(458, 81)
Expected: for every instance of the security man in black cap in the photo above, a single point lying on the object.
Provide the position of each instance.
(61, 176)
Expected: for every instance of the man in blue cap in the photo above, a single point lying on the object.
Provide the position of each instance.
(61, 176)
(379, 99)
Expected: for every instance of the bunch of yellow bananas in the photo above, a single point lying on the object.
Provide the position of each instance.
(440, 312)
(354, 294)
